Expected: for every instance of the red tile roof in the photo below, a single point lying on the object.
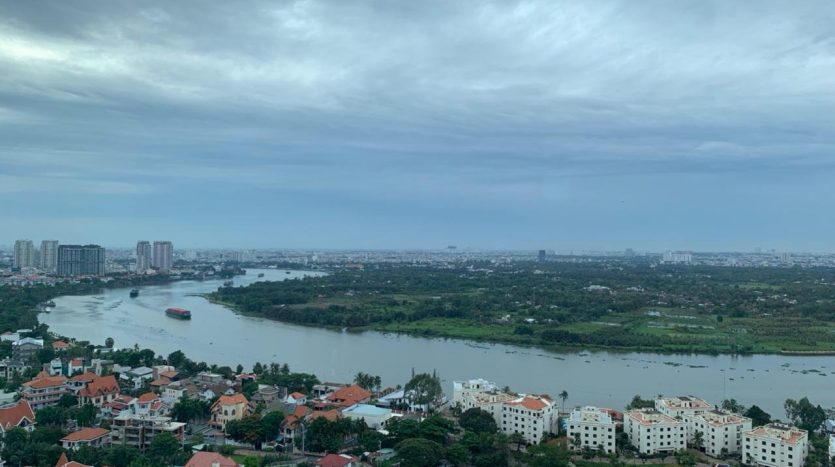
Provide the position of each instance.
(85, 377)
(42, 382)
(64, 462)
(297, 395)
(60, 345)
(349, 395)
(331, 415)
(13, 415)
(100, 386)
(208, 459)
(170, 374)
(337, 460)
(147, 397)
(86, 434)
(234, 399)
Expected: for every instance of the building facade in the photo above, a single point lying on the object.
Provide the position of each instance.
(531, 416)
(775, 445)
(144, 256)
(163, 255)
(78, 260)
(24, 254)
(593, 428)
(139, 431)
(49, 255)
(721, 431)
(653, 432)
(43, 391)
(227, 408)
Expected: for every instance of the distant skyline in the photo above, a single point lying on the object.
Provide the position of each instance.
(698, 125)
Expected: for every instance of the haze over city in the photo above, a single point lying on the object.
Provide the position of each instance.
(568, 125)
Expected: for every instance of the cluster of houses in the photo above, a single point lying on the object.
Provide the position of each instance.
(670, 426)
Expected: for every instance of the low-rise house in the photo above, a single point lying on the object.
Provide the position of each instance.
(208, 378)
(296, 398)
(321, 390)
(44, 390)
(291, 424)
(55, 367)
(227, 408)
(268, 395)
(118, 405)
(93, 437)
(139, 431)
(338, 460)
(210, 459)
(9, 368)
(531, 416)
(99, 392)
(592, 428)
(653, 432)
(17, 415)
(60, 346)
(149, 404)
(138, 376)
(64, 462)
(349, 395)
(721, 431)
(374, 417)
(775, 445)
(26, 348)
(74, 366)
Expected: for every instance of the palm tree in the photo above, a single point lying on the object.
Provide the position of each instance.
(563, 395)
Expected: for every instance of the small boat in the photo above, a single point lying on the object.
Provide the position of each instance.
(228, 283)
(179, 313)
(261, 274)
(134, 293)
(286, 272)
(50, 304)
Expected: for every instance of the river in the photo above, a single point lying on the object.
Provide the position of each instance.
(218, 335)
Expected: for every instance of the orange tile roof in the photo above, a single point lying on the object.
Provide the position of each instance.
(349, 395)
(160, 382)
(12, 415)
(532, 402)
(147, 397)
(331, 415)
(208, 459)
(60, 345)
(86, 434)
(169, 374)
(63, 462)
(297, 395)
(234, 399)
(85, 377)
(42, 382)
(100, 386)
(337, 460)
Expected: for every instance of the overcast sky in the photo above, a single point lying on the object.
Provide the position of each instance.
(360, 124)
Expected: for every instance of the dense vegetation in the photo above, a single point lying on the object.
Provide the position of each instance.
(612, 303)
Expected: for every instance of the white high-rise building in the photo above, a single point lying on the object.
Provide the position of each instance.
(775, 445)
(163, 255)
(49, 255)
(531, 416)
(143, 256)
(24, 254)
(594, 429)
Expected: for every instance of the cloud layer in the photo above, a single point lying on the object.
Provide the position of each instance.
(565, 125)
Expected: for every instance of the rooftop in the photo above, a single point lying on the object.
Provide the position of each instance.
(366, 410)
(785, 433)
(591, 415)
(86, 434)
(684, 402)
(649, 417)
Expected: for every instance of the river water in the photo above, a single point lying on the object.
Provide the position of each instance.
(217, 335)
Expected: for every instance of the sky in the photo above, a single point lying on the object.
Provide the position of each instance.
(568, 126)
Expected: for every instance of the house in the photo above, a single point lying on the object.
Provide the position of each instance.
(592, 428)
(374, 417)
(60, 346)
(268, 395)
(93, 437)
(296, 398)
(323, 389)
(64, 462)
(75, 365)
(775, 445)
(721, 431)
(653, 432)
(177, 390)
(479, 393)
(210, 459)
(17, 415)
(207, 377)
(290, 425)
(44, 390)
(338, 460)
(149, 404)
(227, 408)
(349, 395)
(139, 431)
(531, 416)
(100, 391)
(55, 367)
(10, 368)
(117, 405)
(138, 376)
(79, 382)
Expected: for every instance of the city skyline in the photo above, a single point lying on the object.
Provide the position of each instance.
(494, 125)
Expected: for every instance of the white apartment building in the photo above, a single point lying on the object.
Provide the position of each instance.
(24, 254)
(775, 445)
(532, 416)
(593, 427)
(653, 432)
(143, 256)
(163, 253)
(479, 393)
(49, 255)
(721, 431)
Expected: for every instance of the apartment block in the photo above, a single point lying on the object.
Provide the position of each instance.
(721, 431)
(775, 445)
(593, 427)
(531, 416)
(653, 432)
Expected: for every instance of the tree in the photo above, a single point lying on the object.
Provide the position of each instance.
(271, 424)
(419, 452)
(248, 430)
(685, 458)
(733, 406)
(638, 403)
(518, 439)
(804, 414)
(563, 395)
(457, 454)
(176, 358)
(547, 455)
(698, 439)
(239, 369)
(163, 448)
(424, 389)
(67, 401)
(477, 420)
(109, 342)
(758, 416)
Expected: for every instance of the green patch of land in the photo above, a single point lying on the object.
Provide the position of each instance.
(630, 306)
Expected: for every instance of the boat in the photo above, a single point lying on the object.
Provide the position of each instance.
(50, 304)
(286, 272)
(179, 313)
(261, 274)
(228, 283)
(134, 293)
